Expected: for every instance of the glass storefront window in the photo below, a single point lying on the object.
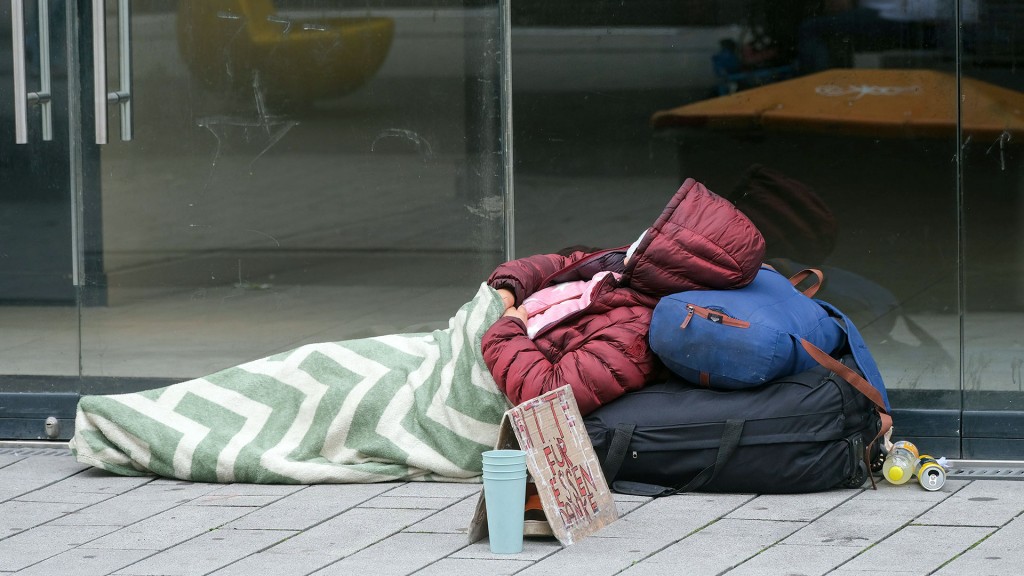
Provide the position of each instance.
(299, 170)
(310, 179)
(993, 245)
(851, 114)
(269, 174)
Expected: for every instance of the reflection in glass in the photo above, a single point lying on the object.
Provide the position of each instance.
(856, 156)
(304, 170)
(38, 301)
(993, 243)
(252, 47)
(300, 172)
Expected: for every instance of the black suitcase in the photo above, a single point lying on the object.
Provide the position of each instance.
(803, 433)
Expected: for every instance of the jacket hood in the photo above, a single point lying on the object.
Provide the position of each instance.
(701, 241)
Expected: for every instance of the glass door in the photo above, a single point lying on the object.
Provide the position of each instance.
(993, 200)
(228, 179)
(277, 173)
(38, 294)
(847, 116)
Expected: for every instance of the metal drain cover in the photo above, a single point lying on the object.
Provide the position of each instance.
(16, 448)
(985, 470)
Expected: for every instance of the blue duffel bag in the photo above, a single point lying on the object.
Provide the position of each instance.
(741, 338)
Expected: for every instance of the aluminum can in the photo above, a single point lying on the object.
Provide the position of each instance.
(930, 474)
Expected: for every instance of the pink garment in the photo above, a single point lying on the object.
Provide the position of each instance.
(550, 305)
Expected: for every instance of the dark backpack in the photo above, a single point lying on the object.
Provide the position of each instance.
(803, 433)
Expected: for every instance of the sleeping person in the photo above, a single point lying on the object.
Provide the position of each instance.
(425, 406)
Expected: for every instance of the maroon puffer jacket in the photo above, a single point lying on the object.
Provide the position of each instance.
(700, 241)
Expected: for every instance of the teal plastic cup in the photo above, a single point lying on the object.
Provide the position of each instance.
(504, 467)
(505, 499)
(504, 473)
(503, 456)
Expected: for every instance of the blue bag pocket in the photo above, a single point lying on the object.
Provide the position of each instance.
(734, 339)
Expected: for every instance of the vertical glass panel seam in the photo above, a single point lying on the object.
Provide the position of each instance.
(960, 216)
(506, 126)
(74, 66)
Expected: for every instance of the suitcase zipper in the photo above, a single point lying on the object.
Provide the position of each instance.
(711, 315)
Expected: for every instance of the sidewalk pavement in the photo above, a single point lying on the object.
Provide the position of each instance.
(58, 516)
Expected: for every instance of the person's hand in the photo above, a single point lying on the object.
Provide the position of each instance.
(507, 297)
(519, 312)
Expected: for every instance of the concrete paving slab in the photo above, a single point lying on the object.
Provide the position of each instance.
(17, 516)
(792, 507)
(413, 502)
(663, 521)
(309, 506)
(326, 543)
(594, 556)
(1002, 553)
(631, 498)
(533, 549)
(624, 507)
(859, 522)
(984, 503)
(398, 555)
(934, 546)
(8, 459)
(163, 526)
(206, 553)
(247, 495)
(451, 520)
(143, 502)
(170, 527)
(889, 572)
(83, 561)
(434, 489)
(716, 548)
(472, 567)
(31, 546)
(176, 491)
(35, 472)
(87, 487)
(805, 560)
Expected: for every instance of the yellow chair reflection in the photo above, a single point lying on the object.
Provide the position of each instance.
(245, 45)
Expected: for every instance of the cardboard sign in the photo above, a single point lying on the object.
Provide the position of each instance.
(561, 461)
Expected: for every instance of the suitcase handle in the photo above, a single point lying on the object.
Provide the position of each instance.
(855, 380)
(730, 440)
(617, 451)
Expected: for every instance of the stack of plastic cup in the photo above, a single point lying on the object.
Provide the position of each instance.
(505, 499)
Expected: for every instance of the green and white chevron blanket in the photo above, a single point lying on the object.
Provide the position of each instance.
(399, 407)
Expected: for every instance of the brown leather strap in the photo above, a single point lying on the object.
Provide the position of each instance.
(886, 424)
(854, 379)
(804, 274)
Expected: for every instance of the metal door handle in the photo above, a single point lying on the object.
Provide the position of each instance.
(22, 97)
(123, 96)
